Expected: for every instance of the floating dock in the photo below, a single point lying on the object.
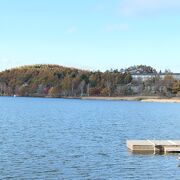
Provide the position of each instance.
(153, 146)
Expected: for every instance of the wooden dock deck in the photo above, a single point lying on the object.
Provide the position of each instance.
(154, 146)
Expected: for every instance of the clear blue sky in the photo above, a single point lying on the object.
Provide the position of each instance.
(90, 34)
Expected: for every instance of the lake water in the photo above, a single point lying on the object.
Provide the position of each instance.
(84, 139)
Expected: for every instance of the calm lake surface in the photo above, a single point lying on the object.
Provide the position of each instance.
(84, 139)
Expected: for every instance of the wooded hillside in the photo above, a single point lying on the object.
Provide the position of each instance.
(58, 81)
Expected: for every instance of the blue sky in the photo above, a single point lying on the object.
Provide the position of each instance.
(90, 34)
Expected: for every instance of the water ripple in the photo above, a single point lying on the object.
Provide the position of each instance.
(74, 139)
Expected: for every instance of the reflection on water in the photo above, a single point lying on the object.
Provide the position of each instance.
(84, 139)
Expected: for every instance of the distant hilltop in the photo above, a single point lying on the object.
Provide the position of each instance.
(140, 69)
(147, 72)
(58, 81)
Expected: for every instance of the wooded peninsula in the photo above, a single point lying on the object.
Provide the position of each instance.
(58, 81)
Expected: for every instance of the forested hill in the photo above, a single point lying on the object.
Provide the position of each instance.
(58, 81)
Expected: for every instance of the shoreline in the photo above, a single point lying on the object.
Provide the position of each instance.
(120, 98)
(137, 98)
(172, 100)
